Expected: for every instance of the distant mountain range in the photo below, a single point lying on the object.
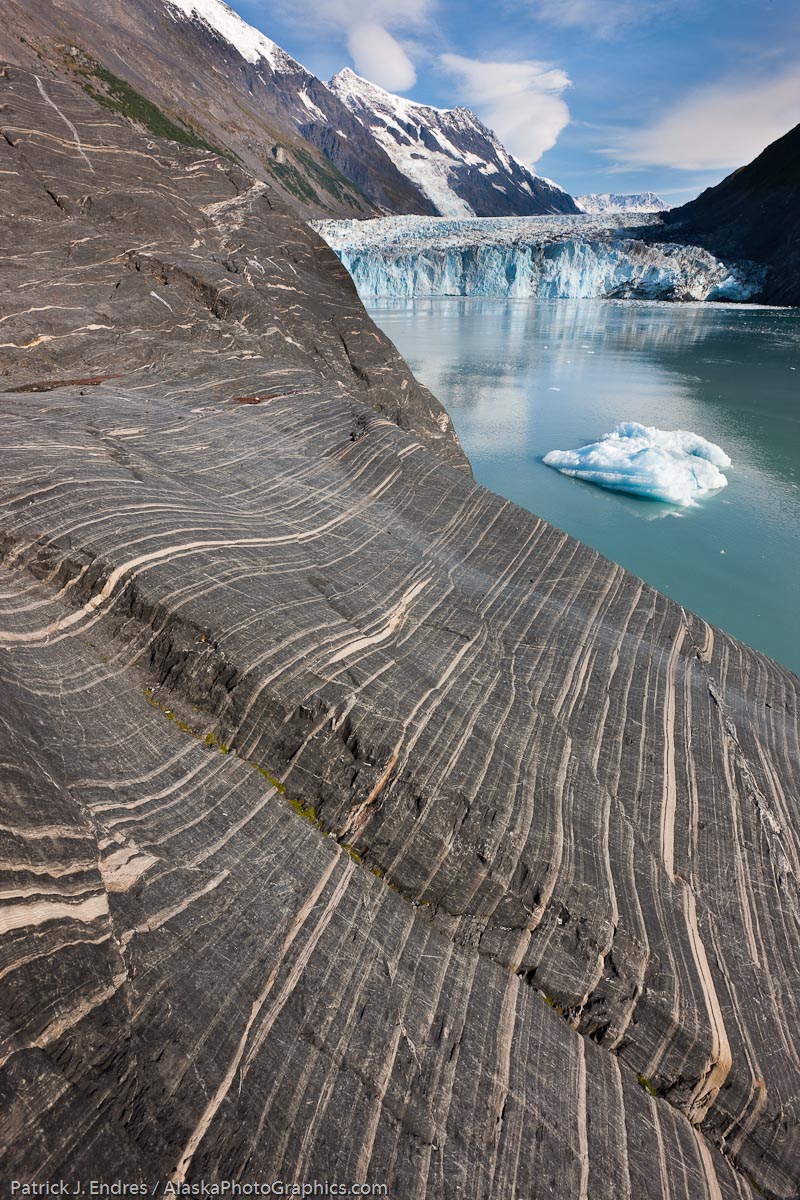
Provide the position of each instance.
(614, 202)
(458, 164)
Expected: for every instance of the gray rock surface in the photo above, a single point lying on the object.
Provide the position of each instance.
(271, 115)
(357, 824)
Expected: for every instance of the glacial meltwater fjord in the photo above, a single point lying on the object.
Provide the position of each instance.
(524, 377)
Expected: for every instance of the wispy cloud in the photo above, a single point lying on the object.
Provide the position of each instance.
(521, 101)
(717, 127)
(380, 57)
(603, 17)
(371, 29)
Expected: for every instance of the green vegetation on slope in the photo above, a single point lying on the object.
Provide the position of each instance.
(329, 177)
(119, 96)
(293, 181)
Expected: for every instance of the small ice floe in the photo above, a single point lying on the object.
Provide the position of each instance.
(674, 466)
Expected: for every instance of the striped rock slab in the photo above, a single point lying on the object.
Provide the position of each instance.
(357, 825)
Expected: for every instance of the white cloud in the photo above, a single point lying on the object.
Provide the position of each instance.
(520, 101)
(718, 127)
(370, 28)
(378, 57)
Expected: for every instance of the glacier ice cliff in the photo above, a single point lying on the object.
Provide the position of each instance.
(675, 466)
(554, 258)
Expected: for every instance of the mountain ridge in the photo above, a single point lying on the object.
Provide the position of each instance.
(251, 98)
(459, 164)
(754, 213)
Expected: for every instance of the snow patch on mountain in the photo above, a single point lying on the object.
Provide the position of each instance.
(252, 45)
(313, 108)
(615, 202)
(450, 156)
(397, 125)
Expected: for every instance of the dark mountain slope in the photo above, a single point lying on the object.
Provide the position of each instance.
(753, 214)
(231, 87)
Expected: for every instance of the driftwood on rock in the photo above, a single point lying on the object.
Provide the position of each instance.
(357, 825)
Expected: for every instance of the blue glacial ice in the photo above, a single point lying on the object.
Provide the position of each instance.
(553, 257)
(674, 466)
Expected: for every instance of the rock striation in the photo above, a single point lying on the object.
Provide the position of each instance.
(357, 825)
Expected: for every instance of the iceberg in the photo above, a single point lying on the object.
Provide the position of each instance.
(674, 466)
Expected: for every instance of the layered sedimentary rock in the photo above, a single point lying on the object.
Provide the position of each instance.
(357, 824)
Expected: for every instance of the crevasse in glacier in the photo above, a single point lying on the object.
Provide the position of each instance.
(564, 257)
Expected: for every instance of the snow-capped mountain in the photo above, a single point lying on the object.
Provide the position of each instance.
(227, 24)
(229, 86)
(614, 202)
(292, 93)
(458, 164)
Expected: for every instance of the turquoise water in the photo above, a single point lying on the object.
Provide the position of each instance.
(523, 377)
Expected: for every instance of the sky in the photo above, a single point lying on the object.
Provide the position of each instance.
(600, 95)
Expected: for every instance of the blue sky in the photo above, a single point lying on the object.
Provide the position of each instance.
(600, 95)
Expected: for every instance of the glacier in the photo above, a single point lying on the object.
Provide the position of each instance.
(627, 202)
(675, 466)
(554, 257)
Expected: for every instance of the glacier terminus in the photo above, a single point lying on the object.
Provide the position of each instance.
(554, 257)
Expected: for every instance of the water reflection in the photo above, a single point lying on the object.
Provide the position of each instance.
(524, 377)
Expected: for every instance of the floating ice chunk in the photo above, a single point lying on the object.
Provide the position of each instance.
(674, 466)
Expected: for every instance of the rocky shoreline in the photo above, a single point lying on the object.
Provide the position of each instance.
(358, 825)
